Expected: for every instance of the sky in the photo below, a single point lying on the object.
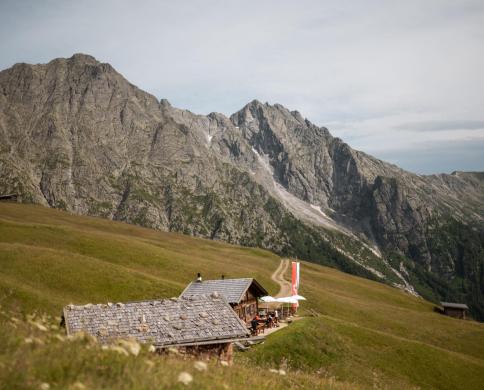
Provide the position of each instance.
(401, 80)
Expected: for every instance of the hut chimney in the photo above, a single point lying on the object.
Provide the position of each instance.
(199, 277)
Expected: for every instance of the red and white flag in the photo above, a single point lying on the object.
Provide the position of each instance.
(295, 281)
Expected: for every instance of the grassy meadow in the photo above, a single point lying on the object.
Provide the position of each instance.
(355, 332)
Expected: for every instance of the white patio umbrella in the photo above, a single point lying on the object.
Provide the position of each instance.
(286, 300)
(298, 297)
(268, 299)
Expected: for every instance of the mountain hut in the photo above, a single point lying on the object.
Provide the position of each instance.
(203, 326)
(456, 310)
(242, 294)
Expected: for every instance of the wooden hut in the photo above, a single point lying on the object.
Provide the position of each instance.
(205, 326)
(242, 294)
(456, 310)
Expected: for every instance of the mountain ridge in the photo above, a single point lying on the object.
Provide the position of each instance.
(76, 135)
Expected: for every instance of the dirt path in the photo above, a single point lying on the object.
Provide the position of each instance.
(278, 277)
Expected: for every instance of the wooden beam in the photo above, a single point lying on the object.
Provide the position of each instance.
(209, 342)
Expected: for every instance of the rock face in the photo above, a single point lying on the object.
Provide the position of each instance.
(74, 134)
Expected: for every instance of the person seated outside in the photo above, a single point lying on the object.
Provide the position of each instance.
(276, 318)
(254, 323)
(269, 321)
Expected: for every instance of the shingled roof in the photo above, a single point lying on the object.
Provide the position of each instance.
(452, 305)
(232, 290)
(175, 321)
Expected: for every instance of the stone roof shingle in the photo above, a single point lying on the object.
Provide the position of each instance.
(161, 322)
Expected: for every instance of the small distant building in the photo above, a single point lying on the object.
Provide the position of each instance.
(9, 198)
(205, 326)
(242, 294)
(456, 310)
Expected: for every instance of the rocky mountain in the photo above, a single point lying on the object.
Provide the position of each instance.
(76, 135)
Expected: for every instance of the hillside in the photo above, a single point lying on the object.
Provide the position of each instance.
(365, 333)
(76, 135)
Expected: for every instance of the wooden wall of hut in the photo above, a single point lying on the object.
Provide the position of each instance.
(247, 308)
(455, 313)
(221, 351)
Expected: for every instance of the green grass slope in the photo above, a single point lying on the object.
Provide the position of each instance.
(365, 333)
(50, 258)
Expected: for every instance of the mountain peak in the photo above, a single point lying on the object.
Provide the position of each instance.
(165, 103)
(255, 103)
(258, 110)
(84, 58)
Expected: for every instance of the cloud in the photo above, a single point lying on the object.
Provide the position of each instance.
(442, 125)
(438, 157)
